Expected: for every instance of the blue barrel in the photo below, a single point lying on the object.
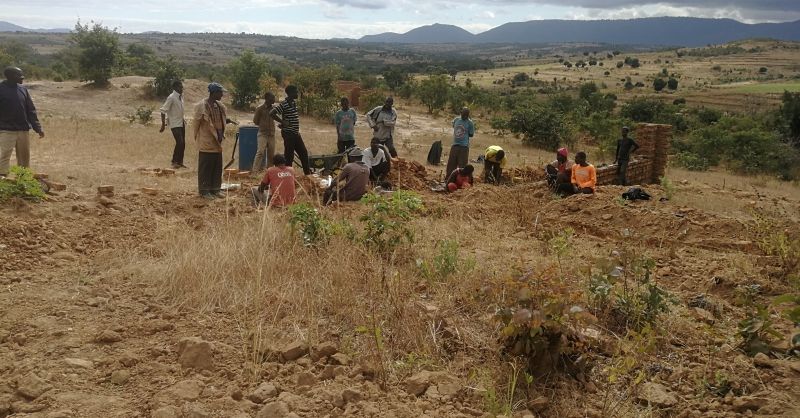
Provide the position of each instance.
(248, 145)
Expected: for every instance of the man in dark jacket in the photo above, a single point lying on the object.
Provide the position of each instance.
(17, 117)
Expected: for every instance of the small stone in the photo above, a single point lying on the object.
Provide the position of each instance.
(656, 394)
(351, 395)
(105, 201)
(418, 383)
(606, 216)
(306, 379)
(323, 350)
(120, 377)
(166, 412)
(108, 336)
(32, 386)
(762, 360)
(237, 395)
(195, 353)
(539, 404)
(330, 372)
(188, 390)
(276, 409)
(748, 403)
(703, 315)
(195, 411)
(340, 359)
(78, 363)
(294, 351)
(128, 359)
(263, 392)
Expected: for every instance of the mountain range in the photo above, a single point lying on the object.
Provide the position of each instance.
(10, 27)
(662, 31)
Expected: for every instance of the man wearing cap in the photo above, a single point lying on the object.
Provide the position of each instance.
(172, 114)
(208, 130)
(559, 173)
(463, 131)
(625, 147)
(17, 118)
(354, 175)
(382, 120)
(285, 113)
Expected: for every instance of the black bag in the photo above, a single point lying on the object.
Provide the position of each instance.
(636, 193)
(435, 154)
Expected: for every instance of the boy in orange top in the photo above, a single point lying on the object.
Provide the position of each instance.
(584, 175)
(280, 180)
(460, 178)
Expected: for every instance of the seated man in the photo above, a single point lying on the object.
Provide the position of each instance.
(354, 175)
(280, 181)
(375, 157)
(460, 178)
(584, 175)
(494, 160)
(559, 173)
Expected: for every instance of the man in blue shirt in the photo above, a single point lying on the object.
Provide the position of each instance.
(17, 117)
(463, 130)
(345, 121)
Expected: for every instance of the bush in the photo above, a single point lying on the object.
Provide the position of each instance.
(99, 52)
(659, 84)
(541, 126)
(672, 83)
(246, 71)
(691, 161)
(640, 109)
(143, 115)
(167, 71)
(20, 184)
(433, 91)
(386, 223)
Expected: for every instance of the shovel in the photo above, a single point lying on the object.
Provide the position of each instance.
(233, 154)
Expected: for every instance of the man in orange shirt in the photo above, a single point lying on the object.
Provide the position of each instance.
(584, 175)
(280, 180)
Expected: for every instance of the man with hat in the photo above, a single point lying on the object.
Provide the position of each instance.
(559, 173)
(625, 147)
(354, 175)
(210, 118)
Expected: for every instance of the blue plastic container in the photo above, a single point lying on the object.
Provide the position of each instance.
(248, 145)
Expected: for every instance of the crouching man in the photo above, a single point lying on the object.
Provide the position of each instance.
(354, 175)
(277, 188)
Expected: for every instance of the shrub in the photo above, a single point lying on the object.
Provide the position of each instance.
(167, 71)
(659, 84)
(246, 71)
(432, 92)
(541, 126)
(672, 83)
(143, 115)
(642, 109)
(386, 223)
(99, 52)
(762, 70)
(314, 229)
(20, 184)
(691, 161)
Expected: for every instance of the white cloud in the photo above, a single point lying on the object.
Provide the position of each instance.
(487, 14)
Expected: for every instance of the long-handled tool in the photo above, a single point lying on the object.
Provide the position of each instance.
(233, 153)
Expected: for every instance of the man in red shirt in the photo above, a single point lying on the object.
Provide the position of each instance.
(280, 180)
(460, 178)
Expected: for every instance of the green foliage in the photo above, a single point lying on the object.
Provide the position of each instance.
(774, 240)
(386, 222)
(541, 126)
(433, 92)
(691, 161)
(143, 115)
(167, 71)
(246, 72)
(789, 118)
(659, 84)
(632, 62)
(395, 77)
(98, 52)
(672, 83)
(790, 305)
(139, 59)
(314, 229)
(445, 263)
(317, 91)
(20, 184)
(372, 99)
(757, 330)
(668, 187)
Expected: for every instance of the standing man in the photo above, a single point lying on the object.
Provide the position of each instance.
(266, 133)
(345, 121)
(494, 160)
(382, 120)
(172, 112)
(208, 130)
(625, 147)
(355, 175)
(285, 113)
(463, 130)
(17, 117)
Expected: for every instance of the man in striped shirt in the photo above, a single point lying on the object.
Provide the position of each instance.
(285, 113)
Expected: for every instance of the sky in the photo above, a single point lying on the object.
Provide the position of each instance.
(323, 19)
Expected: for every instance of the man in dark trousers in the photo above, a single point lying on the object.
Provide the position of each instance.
(625, 147)
(17, 118)
(382, 120)
(354, 175)
(463, 131)
(208, 130)
(172, 113)
(285, 113)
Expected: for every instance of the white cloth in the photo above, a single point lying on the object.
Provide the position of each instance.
(373, 160)
(173, 108)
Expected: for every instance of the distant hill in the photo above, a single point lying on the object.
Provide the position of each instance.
(430, 34)
(666, 31)
(10, 27)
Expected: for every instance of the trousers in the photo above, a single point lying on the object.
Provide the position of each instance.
(180, 144)
(209, 172)
(293, 143)
(11, 141)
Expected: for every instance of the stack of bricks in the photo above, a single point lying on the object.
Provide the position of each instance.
(649, 163)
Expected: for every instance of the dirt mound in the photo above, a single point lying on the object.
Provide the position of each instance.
(409, 175)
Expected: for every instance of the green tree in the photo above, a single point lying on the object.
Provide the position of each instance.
(167, 71)
(246, 71)
(541, 126)
(98, 52)
(317, 90)
(789, 118)
(394, 77)
(433, 92)
(672, 83)
(659, 84)
(140, 59)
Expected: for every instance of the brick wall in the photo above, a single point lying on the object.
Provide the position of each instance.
(649, 163)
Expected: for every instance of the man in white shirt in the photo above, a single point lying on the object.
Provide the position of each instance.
(375, 157)
(172, 112)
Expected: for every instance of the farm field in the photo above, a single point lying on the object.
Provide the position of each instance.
(157, 303)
